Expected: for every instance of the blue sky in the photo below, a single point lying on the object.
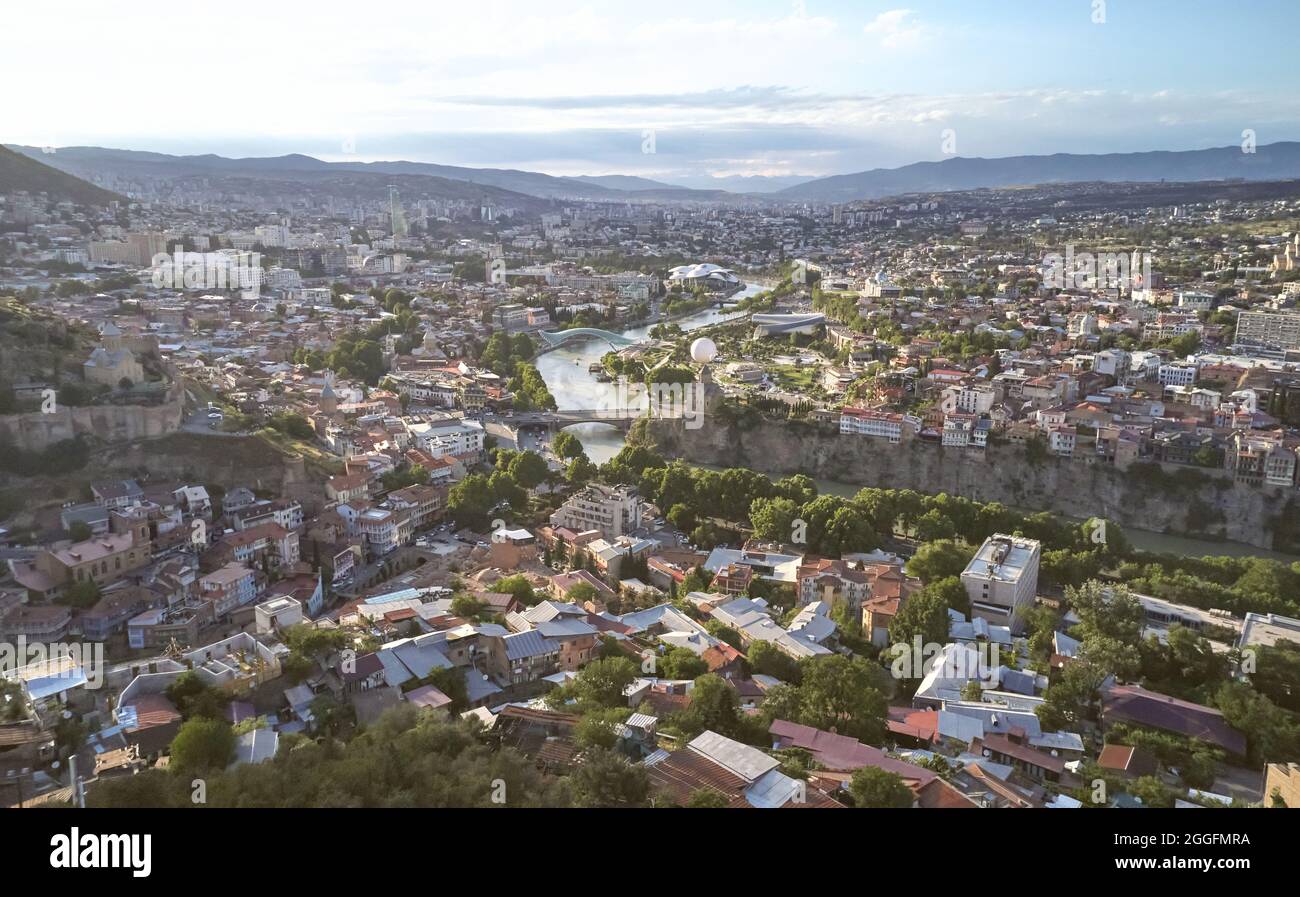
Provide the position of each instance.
(713, 88)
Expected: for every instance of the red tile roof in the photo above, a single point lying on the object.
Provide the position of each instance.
(919, 724)
(842, 752)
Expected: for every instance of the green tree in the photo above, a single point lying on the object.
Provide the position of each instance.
(566, 446)
(845, 695)
(81, 594)
(195, 698)
(708, 799)
(1272, 733)
(408, 758)
(714, 706)
(202, 744)
(766, 659)
(517, 586)
(682, 517)
(876, 788)
(528, 469)
(580, 593)
(940, 560)
(602, 683)
(681, 663)
(607, 779)
(923, 615)
(598, 728)
(773, 518)
(470, 500)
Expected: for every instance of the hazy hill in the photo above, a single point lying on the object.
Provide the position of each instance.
(94, 160)
(21, 172)
(1276, 161)
(281, 173)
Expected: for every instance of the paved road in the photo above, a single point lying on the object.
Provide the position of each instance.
(198, 422)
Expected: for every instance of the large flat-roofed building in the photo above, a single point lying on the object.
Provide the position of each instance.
(1269, 630)
(451, 437)
(880, 424)
(613, 510)
(101, 559)
(1002, 579)
(1269, 330)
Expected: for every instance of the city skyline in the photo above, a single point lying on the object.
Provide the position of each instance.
(773, 89)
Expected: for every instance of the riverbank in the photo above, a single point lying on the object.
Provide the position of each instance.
(565, 370)
(1021, 485)
(1185, 515)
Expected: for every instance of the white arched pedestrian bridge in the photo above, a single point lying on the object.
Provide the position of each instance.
(617, 340)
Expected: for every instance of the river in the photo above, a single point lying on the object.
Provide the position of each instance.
(565, 372)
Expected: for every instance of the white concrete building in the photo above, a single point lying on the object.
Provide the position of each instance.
(1002, 579)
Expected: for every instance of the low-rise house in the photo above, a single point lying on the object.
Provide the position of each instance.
(1130, 762)
(751, 620)
(227, 588)
(358, 673)
(276, 614)
(1013, 750)
(1139, 706)
(743, 775)
(840, 753)
(424, 503)
(111, 613)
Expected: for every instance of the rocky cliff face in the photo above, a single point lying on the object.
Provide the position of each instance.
(226, 461)
(111, 423)
(1191, 502)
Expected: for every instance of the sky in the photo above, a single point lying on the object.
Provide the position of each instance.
(678, 91)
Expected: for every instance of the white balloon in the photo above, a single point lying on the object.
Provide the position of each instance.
(703, 350)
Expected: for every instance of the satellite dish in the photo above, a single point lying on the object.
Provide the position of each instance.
(703, 350)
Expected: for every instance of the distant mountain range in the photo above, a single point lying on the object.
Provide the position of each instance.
(1277, 161)
(21, 172)
(624, 182)
(743, 183)
(94, 161)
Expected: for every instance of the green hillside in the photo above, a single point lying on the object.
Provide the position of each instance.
(18, 172)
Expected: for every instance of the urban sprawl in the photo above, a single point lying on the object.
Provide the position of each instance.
(284, 469)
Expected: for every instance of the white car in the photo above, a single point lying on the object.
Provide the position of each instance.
(215, 415)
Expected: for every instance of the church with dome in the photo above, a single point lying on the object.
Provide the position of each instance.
(112, 360)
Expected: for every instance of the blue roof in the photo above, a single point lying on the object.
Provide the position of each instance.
(46, 686)
(529, 643)
(1016, 680)
(400, 595)
(478, 687)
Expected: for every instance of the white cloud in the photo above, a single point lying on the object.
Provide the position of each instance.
(896, 29)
